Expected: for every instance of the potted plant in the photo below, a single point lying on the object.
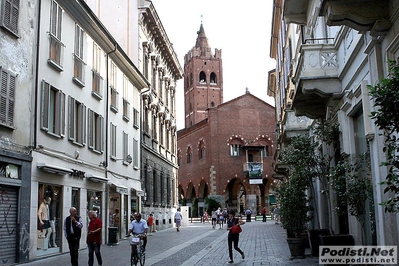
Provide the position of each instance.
(386, 102)
(351, 182)
(294, 210)
(294, 204)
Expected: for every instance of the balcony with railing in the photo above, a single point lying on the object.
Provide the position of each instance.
(316, 77)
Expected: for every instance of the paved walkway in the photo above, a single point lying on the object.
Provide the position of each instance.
(199, 245)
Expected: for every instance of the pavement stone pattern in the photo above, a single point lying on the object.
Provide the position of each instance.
(264, 243)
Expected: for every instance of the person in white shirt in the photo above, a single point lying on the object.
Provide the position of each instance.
(178, 219)
(139, 226)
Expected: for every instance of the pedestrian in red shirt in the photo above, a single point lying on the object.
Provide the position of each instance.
(150, 223)
(264, 214)
(94, 238)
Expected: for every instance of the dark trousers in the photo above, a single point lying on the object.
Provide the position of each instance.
(264, 217)
(73, 243)
(94, 248)
(248, 217)
(233, 238)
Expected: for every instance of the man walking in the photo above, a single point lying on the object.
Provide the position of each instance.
(93, 239)
(178, 219)
(73, 231)
(264, 214)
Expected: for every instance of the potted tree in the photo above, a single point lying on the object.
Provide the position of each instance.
(351, 181)
(294, 204)
(386, 103)
(294, 210)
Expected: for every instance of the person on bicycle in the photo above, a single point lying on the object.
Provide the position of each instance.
(139, 226)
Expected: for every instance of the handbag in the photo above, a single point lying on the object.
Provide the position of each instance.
(236, 229)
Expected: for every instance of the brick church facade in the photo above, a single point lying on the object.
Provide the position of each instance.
(225, 149)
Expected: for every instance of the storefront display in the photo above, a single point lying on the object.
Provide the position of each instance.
(49, 219)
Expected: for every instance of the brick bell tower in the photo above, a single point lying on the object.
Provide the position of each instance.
(203, 80)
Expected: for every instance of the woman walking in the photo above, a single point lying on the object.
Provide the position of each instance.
(234, 237)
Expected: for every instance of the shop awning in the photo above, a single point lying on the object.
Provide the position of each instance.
(54, 169)
(121, 189)
(96, 178)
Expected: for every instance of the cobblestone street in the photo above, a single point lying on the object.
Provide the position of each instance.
(199, 244)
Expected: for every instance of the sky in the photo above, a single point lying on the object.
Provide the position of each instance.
(241, 29)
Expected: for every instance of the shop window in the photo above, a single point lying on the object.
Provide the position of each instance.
(94, 201)
(50, 220)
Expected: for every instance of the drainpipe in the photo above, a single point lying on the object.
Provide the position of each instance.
(35, 84)
(141, 161)
(106, 142)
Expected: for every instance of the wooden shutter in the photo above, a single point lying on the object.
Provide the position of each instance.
(90, 129)
(7, 97)
(62, 113)
(10, 15)
(83, 125)
(71, 118)
(45, 105)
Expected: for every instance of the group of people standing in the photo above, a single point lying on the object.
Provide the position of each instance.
(219, 217)
(73, 231)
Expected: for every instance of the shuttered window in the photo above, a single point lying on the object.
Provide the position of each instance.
(52, 110)
(113, 140)
(56, 45)
(79, 65)
(10, 15)
(125, 145)
(135, 153)
(76, 121)
(7, 98)
(96, 132)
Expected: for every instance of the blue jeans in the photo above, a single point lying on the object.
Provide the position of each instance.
(94, 247)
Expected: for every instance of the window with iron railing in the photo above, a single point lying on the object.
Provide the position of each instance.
(114, 99)
(136, 118)
(78, 75)
(97, 83)
(56, 45)
(126, 110)
(97, 80)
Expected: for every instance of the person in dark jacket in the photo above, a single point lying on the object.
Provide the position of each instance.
(73, 231)
(233, 237)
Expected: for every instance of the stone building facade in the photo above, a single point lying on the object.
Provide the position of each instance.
(226, 148)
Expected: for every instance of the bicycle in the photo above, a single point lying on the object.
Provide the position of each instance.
(138, 252)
